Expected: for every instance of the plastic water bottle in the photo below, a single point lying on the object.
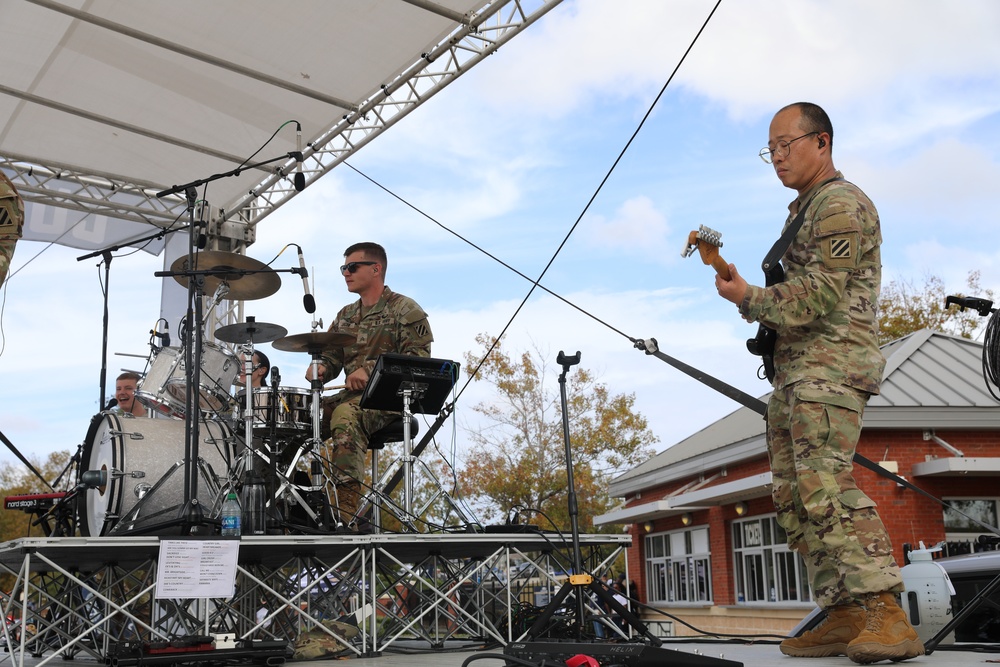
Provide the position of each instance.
(231, 516)
(254, 506)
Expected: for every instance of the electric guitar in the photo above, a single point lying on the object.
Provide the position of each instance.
(708, 241)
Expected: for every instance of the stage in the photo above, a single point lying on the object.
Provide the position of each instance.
(91, 596)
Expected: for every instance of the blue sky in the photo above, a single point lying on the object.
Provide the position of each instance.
(509, 155)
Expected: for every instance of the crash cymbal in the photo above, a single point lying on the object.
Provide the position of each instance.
(247, 278)
(247, 332)
(315, 341)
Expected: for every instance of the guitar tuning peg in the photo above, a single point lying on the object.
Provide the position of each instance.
(709, 235)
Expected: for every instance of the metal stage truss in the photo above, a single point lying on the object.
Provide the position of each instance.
(78, 595)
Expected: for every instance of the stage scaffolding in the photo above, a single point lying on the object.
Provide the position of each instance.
(90, 596)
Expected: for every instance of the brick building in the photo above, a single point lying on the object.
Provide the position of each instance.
(706, 546)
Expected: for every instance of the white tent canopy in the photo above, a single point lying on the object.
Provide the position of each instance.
(107, 102)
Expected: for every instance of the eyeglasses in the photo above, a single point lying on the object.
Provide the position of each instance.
(782, 149)
(352, 267)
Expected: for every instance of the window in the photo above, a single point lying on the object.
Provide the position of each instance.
(764, 568)
(678, 568)
(960, 532)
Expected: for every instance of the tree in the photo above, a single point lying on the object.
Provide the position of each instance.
(903, 309)
(518, 458)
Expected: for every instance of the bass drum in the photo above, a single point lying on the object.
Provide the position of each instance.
(144, 459)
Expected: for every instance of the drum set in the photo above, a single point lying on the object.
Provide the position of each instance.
(265, 436)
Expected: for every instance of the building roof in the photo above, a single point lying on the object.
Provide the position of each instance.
(931, 380)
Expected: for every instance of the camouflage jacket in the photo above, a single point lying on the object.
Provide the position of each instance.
(824, 311)
(11, 222)
(395, 324)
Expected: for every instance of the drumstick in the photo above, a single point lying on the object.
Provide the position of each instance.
(335, 386)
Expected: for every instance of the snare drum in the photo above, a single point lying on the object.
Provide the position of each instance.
(144, 458)
(291, 415)
(165, 384)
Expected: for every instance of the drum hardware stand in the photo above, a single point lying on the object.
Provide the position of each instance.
(126, 524)
(580, 582)
(191, 514)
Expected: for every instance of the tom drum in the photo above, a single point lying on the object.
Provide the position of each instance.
(165, 385)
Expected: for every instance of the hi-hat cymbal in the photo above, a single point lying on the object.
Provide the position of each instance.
(313, 342)
(247, 277)
(250, 332)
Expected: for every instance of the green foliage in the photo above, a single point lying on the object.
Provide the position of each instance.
(905, 308)
(16, 480)
(519, 458)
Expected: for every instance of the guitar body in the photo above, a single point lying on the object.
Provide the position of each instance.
(762, 344)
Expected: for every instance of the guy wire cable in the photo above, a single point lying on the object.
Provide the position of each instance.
(991, 350)
(536, 282)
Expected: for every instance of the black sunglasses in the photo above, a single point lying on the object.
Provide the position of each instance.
(352, 267)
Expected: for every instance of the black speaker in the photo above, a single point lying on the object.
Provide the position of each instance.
(630, 655)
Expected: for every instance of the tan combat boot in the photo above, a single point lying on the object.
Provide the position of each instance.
(887, 635)
(842, 624)
(348, 498)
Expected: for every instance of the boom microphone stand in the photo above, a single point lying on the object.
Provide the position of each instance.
(580, 582)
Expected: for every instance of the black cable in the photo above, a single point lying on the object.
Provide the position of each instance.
(536, 283)
(991, 355)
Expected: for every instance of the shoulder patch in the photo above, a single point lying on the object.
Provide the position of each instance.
(837, 223)
(841, 251)
(412, 314)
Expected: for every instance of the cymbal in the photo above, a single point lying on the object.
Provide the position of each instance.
(246, 332)
(315, 341)
(259, 283)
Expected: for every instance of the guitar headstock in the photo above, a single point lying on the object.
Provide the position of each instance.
(707, 241)
(705, 235)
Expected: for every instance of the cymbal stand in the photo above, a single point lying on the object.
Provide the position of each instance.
(313, 444)
(192, 513)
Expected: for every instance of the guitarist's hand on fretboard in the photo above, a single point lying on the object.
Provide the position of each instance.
(734, 289)
(728, 282)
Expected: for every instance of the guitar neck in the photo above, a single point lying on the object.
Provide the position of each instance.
(721, 267)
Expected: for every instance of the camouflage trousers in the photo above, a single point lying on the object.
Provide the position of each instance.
(350, 426)
(812, 432)
(6, 254)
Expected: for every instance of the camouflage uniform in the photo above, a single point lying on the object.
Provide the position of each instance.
(395, 324)
(827, 364)
(11, 222)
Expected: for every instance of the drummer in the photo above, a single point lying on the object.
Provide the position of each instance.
(125, 387)
(381, 321)
(258, 375)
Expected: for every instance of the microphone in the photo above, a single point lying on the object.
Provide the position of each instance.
(307, 301)
(112, 403)
(299, 180)
(164, 336)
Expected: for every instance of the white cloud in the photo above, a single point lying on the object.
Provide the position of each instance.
(637, 227)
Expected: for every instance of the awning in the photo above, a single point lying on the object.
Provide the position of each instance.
(957, 466)
(755, 486)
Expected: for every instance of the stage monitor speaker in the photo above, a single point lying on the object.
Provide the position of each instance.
(606, 654)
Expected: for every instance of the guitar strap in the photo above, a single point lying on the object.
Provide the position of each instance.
(777, 251)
